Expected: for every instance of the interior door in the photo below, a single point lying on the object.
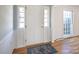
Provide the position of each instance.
(19, 24)
(34, 32)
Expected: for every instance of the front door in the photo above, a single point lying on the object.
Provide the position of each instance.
(37, 24)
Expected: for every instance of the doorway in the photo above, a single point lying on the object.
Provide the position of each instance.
(36, 26)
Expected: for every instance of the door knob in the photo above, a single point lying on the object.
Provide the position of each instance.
(42, 26)
(25, 26)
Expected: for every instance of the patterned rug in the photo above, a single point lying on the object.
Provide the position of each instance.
(42, 49)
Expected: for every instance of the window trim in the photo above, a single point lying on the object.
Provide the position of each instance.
(71, 33)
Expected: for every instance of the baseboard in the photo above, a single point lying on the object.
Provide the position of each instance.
(57, 39)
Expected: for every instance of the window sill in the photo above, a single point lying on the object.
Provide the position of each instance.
(67, 36)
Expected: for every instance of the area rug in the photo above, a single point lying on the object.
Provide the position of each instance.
(42, 49)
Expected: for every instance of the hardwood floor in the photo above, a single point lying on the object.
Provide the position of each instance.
(65, 46)
(20, 50)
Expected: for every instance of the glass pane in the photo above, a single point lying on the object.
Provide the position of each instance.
(45, 20)
(21, 9)
(21, 14)
(45, 24)
(45, 13)
(45, 17)
(21, 19)
(21, 25)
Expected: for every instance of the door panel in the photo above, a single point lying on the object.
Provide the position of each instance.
(34, 22)
(35, 31)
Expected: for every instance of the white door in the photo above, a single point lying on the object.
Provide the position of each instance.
(36, 31)
(34, 25)
(19, 24)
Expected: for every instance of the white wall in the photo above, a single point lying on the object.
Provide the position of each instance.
(57, 20)
(8, 43)
(14, 17)
(5, 20)
(7, 39)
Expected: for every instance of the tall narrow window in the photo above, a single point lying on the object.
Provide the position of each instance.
(21, 16)
(46, 17)
(68, 24)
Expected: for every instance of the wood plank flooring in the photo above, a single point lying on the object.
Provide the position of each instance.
(65, 46)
